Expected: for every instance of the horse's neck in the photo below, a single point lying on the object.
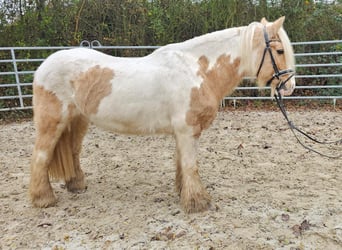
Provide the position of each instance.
(218, 59)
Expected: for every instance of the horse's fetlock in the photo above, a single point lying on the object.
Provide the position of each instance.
(43, 200)
(195, 202)
(194, 197)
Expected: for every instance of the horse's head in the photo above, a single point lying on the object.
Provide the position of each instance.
(274, 58)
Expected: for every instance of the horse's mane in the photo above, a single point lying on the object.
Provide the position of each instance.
(219, 39)
(246, 48)
(215, 39)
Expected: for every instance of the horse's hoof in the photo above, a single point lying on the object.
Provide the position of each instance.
(75, 186)
(199, 202)
(43, 202)
(77, 190)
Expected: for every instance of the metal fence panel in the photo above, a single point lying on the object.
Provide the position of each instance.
(17, 72)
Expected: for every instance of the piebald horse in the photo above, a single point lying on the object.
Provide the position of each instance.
(175, 90)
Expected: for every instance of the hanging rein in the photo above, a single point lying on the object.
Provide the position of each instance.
(279, 100)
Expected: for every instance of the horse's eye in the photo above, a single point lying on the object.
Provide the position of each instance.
(280, 51)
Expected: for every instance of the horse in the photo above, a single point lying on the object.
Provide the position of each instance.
(174, 90)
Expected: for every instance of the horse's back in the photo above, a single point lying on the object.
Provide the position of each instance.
(65, 64)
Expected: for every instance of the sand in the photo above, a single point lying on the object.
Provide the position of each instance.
(267, 191)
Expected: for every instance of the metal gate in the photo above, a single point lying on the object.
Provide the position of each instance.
(318, 62)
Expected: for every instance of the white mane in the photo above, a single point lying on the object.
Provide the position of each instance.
(246, 49)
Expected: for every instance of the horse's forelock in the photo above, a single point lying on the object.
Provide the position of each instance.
(288, 50)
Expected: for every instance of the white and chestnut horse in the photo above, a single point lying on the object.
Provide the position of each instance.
(175, 90)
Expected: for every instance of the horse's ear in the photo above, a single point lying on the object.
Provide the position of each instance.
(278, 24)
(263, 21)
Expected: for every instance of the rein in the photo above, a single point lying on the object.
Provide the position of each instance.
(294, 128)
(278, 97)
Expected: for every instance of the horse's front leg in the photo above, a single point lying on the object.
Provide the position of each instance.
(193, 196)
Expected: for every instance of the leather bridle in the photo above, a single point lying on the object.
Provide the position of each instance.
(277, 73)
(281, 85)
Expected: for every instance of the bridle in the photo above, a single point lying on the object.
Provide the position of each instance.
(277, 74)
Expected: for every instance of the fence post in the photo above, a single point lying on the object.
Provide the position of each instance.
(334, 103)
(17, 79)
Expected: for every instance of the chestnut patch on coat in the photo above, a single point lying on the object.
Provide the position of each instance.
(91, 87)
(47, 109)
(218, 82)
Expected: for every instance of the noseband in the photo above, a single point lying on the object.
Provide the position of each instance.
(277, 73)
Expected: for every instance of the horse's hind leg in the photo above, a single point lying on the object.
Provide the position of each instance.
(193, 196)
(79, 126)
(49, 126)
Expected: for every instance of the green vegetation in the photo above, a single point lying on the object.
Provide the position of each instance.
(159, 22)
(155, 22)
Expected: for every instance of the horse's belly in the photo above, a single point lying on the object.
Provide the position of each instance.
(133, 126)
(137, 110)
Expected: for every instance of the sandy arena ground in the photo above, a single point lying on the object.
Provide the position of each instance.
(268, 192)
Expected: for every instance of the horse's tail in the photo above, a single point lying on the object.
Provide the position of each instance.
(65, 162)
(62, 162)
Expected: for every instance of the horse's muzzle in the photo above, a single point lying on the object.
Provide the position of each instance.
(286, 87)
